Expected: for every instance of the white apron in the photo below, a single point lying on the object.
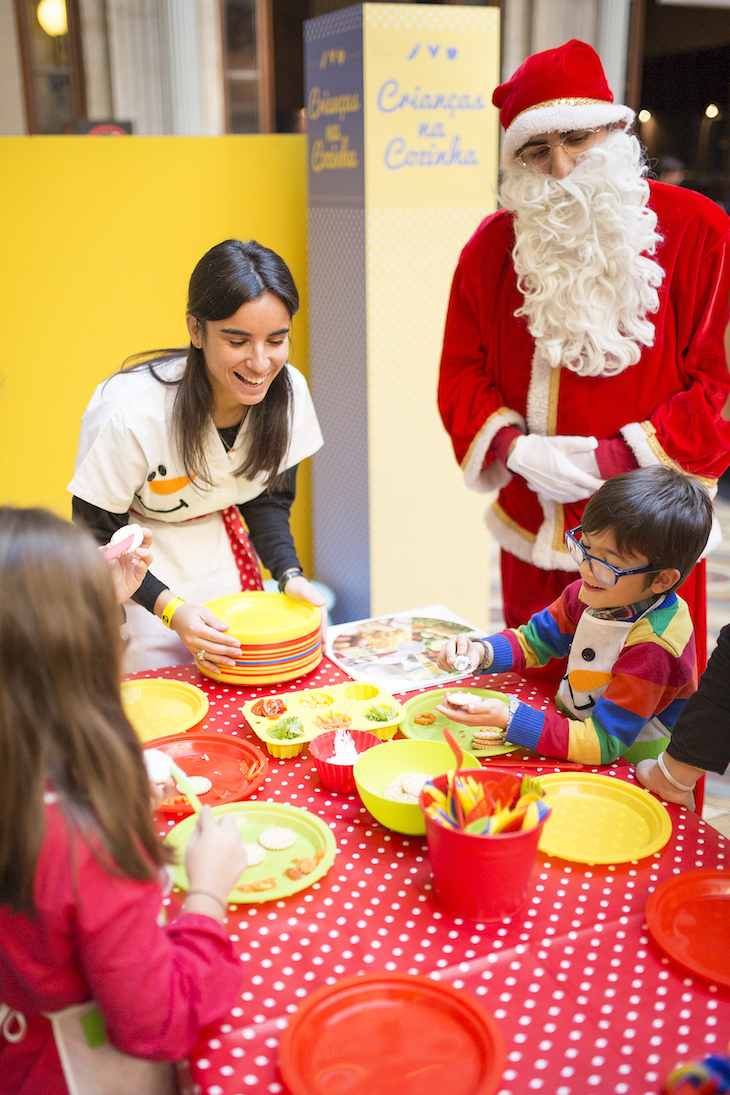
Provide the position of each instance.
(126, 461)
(596, 647)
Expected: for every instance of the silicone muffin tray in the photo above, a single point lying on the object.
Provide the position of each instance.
(352, 699)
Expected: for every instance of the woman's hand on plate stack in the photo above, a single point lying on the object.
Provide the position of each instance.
(204, 634)
(301, 589)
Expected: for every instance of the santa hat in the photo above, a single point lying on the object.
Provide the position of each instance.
(558, 90)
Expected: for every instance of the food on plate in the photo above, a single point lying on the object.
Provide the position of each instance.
(277, 838)
(334, 721)
(486, 736)
(200, 784)
(258, 886)
(304, 866)
(406, 787)
(287, 728)
(255, 854)
(344, 750)
(461, 699)
(381, 712)
(316, 699)
(425, 719)
(271, 707)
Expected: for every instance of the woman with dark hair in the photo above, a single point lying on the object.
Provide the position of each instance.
(187, 443)
(80, 860)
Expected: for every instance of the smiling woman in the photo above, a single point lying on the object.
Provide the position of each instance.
(190, 441)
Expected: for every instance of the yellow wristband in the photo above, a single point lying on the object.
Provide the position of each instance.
(170, 608)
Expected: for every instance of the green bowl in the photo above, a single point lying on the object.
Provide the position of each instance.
(376, 768)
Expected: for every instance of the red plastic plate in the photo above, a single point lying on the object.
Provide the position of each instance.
(234, 767)
(391, 1034)
(688, 915)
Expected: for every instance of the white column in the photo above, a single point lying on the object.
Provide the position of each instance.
(138, 68)
(557, 21)
(179, 22)
(612, 43)
(213, 103)
(516, 35)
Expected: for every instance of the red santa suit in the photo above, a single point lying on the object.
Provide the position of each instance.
(664, 409)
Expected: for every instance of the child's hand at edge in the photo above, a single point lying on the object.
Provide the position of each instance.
(479, 713)
(215, 859)
(128, 570)
(460, 644)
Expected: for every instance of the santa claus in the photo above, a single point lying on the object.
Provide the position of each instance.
(584, 334)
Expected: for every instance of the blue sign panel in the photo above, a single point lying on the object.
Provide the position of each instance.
(333, 60)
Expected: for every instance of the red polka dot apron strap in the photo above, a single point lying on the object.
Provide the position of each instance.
(244, 553)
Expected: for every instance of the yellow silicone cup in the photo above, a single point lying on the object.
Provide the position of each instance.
(281, 750)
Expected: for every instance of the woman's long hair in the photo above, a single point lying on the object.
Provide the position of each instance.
(229, 275)
(62, 725)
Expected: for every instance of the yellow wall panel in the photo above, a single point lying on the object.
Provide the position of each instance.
(99, 238)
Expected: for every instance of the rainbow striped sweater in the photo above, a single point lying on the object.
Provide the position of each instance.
(626, 683)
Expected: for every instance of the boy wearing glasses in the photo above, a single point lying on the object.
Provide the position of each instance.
(628, 638)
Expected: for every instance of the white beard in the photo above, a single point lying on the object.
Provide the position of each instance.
(581, 257)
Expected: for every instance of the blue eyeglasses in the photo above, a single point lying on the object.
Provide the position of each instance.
(605, 573)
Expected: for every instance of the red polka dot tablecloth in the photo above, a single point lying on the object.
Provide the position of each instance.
(585, 1000)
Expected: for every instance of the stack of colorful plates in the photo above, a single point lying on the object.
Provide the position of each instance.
(280, 638)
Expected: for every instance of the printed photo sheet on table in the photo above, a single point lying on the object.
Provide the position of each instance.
(398, 651)
(586, 1001)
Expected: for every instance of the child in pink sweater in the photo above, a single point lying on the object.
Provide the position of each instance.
(80, 861)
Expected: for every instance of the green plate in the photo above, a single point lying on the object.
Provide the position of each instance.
(252, 818)
(426, 701)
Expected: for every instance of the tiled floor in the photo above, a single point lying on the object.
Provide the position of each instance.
(717, 792)
(716, 810)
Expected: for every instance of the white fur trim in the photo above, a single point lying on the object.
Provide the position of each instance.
(560, 116)
(539, 552)
(496, 475)
(538, 395)
(636, 438)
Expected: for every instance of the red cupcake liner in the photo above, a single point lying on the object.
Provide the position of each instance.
(338, 778)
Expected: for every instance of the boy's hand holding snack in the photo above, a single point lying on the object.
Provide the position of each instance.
(477, 712)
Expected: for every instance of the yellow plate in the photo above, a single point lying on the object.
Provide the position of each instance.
(259, 617)
(157, 707)
(252, 818)
(600, 819)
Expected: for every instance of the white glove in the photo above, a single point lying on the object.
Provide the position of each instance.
(714, 540)
(581, 451)
(551, 466)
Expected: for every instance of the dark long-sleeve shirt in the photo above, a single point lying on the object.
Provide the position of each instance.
(266, 516)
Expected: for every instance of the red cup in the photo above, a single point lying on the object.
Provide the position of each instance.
(479, 877)
(338, 777)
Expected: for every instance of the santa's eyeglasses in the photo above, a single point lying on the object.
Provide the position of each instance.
(600, 569)
(575, 142)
